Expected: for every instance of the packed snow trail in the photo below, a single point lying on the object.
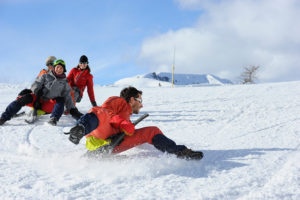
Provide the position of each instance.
(250, 136)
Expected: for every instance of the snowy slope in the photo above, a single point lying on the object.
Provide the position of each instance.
(250, 135)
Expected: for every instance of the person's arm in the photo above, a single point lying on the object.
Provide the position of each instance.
(70, 105)
(37, 85)
(70, 76)
(90, 90)
(126, 126)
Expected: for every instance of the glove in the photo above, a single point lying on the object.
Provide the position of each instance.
(75, 113)
(76, 133)
(25, 91)
(39, 93)
(127, 127)
(94, 103)
(37, 104)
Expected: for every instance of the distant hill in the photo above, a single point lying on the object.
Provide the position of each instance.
(188, 79)
(164, 79)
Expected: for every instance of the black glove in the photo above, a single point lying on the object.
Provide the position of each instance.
(39, 93)
(37, 104)
(75, 113)
(76, 133)
(25, 91)
(94, 103)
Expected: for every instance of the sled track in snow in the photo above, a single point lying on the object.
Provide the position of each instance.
(28, 140)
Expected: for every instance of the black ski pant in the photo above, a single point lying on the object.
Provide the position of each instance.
(58, 109)
(164, 144)
(15, 106)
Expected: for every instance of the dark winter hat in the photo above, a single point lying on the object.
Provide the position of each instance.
(50, 60)
(83, 59)
(60, 62)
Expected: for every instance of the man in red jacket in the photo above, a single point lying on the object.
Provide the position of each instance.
(114, 117)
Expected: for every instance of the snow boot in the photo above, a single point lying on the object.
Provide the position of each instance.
(189, 154)
(2, 121)
(76, 133)
(164, 144)
(53, 121)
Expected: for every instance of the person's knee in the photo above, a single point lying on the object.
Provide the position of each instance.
(152, 132)
(60, 100)
(26, 99)
(155, 130)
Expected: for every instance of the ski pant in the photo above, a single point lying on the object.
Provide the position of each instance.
(15, 106)
(26, 99)
(58, 108)
(46, 106)
(151, 135)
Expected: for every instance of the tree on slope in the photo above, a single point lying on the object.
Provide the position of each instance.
(249, 75)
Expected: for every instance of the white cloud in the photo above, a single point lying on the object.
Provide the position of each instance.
(230, 35)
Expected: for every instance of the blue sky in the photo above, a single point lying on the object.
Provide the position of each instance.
(123, 38)
(110, 33)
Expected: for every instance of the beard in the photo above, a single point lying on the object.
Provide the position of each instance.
(136, 111)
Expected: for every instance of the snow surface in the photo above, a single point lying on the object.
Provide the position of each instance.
(248, 133)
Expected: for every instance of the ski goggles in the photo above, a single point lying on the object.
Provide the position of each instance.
(59, 62)
(139, 100)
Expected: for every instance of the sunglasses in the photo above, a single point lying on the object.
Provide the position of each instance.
(84, 63)
(49, 64)
(139, 100)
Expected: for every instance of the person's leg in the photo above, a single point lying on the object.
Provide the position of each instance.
(57, 111)
(153, 135)
(140, 136)
(164, 144)
(15, 106)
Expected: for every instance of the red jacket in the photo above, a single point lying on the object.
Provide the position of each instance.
(110, 114)
(81, 79)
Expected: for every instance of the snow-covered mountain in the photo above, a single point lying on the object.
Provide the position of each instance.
(165, 79)
(188, 79)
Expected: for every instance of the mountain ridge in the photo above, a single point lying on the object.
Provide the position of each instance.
(164, 79)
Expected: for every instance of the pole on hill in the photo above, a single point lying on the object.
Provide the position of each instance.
(173, 68)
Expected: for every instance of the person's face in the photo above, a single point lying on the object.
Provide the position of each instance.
(59, 69)
(50, 67)
(83, 65)
(136, 104)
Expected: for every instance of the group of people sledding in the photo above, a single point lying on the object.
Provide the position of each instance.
(55, 93)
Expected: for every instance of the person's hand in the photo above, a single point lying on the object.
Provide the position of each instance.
(76, 133)
(127, 127)
(39, 93)
(94, 103)
(75, 113)
(37, 104)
